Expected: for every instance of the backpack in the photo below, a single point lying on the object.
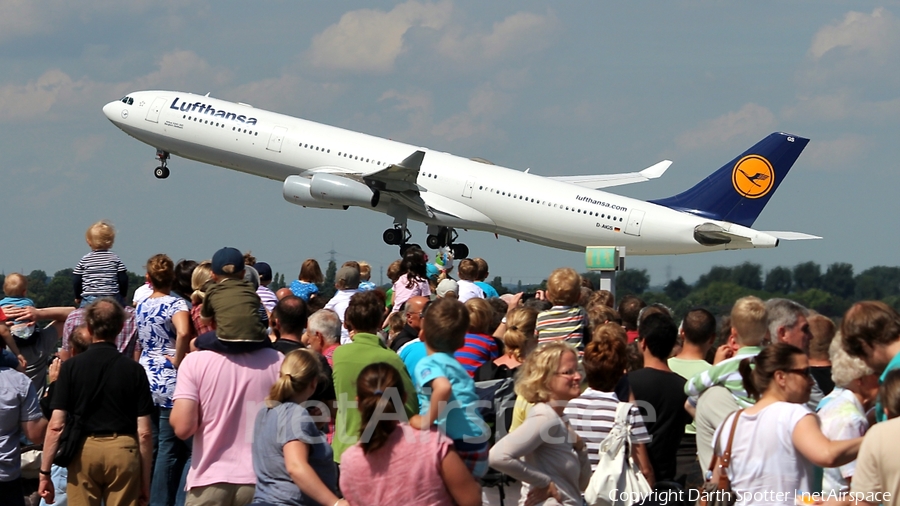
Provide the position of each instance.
(617, 480)
(497, 398)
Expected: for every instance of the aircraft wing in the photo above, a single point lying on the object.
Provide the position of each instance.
(607, 180)
(398, 182)
(398, 177)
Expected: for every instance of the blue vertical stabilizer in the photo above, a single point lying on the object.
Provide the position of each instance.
(739, 191)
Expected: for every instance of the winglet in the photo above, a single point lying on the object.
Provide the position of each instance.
(656, 170)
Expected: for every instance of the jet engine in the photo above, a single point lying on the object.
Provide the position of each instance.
(296, 191)
(336, 189)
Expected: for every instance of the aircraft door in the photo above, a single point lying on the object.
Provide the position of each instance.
(635, 219)
(467, 190)
(276, 139)
(155, 108)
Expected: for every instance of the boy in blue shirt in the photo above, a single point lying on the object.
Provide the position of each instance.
(446, 391)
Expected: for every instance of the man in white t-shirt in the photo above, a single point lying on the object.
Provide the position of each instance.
(347, 283)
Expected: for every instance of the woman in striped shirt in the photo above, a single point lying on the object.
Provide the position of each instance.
(593, 413)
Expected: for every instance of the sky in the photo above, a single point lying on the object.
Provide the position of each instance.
(562, 88)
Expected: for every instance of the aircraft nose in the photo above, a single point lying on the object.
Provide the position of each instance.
(113, 111)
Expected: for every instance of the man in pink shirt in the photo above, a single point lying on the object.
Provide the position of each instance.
(216, 400)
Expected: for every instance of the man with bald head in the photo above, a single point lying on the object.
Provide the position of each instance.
(413, 310)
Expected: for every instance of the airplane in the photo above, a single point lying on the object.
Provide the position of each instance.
(325, 167)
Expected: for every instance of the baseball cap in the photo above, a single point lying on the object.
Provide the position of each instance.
(447, 285)
(349, 276)
(227, 261)
(264, 270)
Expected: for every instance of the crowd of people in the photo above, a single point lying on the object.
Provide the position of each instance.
(208, 388)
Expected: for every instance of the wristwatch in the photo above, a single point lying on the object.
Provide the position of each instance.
(45, 473)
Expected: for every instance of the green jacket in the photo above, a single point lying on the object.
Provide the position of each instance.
(349, 360)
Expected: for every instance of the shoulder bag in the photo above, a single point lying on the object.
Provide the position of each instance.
(716, 490)
(617, 479)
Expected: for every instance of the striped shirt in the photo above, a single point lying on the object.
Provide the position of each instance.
(99, 272)
(267, 297)
(593, 414)
(725, 374)
(125, 341)
(479, 348)
(561, 323)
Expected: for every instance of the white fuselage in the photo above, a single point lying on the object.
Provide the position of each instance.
(466, 194)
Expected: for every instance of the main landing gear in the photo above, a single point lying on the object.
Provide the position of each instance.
(162, 171)
(438, 237)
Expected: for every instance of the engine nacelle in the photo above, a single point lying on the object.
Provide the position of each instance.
(296, 191)
(336, 189)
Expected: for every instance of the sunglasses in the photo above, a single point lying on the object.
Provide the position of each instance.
(803, 372)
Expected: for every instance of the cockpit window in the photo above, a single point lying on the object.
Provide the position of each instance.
(127, 100)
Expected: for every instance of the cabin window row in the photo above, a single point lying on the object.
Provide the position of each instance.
(220, 125)
(554, 205)
(342, 154)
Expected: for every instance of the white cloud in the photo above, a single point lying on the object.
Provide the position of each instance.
(22, 17)
(485, 106)
(519, 34)
(750, 120)
(34, 99)
(841, 154)
(56, 94)
(27, 18)
(858, 53)
(369, 40)
(858, 32)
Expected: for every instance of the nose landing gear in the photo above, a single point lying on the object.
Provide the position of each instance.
(162, 171)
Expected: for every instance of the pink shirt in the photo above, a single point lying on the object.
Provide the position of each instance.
(406, 470)
(403, 294)
(230, 389)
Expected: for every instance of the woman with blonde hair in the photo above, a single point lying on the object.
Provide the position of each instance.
(545, 453)
(294, 464)
(199, 278)
(518, 342)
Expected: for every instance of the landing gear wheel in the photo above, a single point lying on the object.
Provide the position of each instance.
(460, 251)
(392, 236)
(433, 242)
(161, 172)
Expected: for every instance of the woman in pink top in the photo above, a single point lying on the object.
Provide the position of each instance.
(413, 281)
(396, 464)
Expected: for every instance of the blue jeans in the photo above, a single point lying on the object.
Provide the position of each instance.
(172, 455)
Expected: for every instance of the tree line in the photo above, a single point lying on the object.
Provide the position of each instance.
(830, 292)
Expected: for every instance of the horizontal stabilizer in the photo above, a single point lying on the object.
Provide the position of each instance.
(791, 236)
(607, 180)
